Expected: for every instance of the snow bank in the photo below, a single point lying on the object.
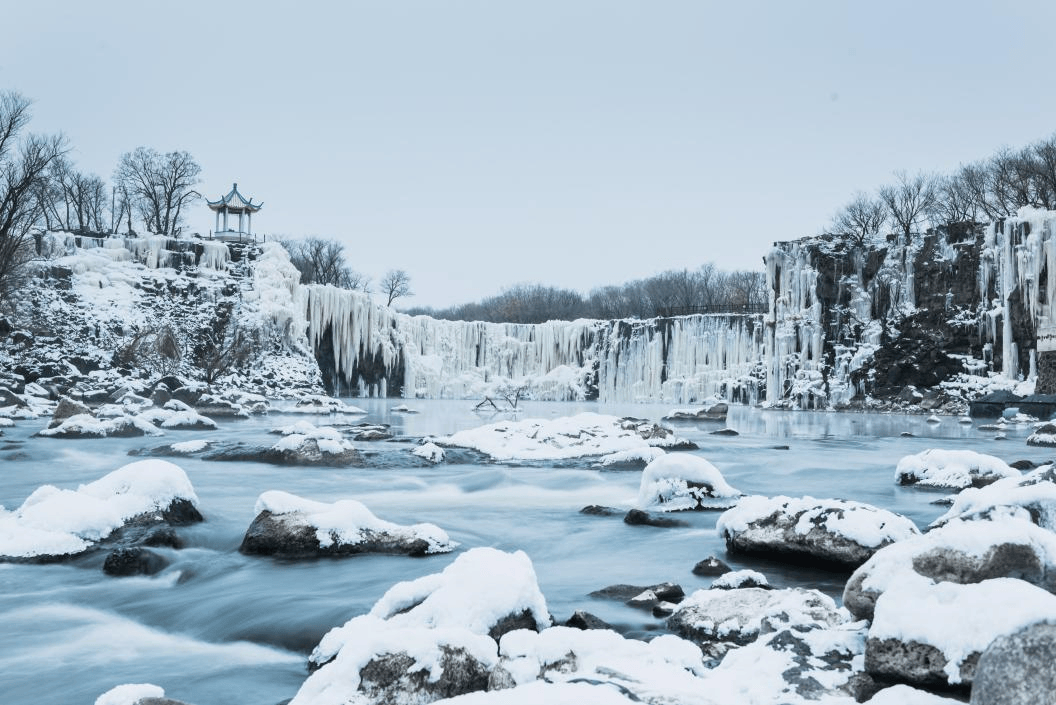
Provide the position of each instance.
(680, 481)
(456, 609)
(951, 468)
(347, 522)
(583, 435)
(739, 579)
(54, 521)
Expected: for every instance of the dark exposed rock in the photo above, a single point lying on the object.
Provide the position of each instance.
(133, 561)
(913, 662)
(65, 409)
(725, 432)
(511, 622)
(8, 398)
(667, 592)
(1023, 465)
(585, 620)
(636, 517)
(600, 511)
(1019, 669)
(306, 455)
(291, 536)
(711, 567)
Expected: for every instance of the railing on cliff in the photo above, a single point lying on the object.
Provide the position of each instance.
(745, 309)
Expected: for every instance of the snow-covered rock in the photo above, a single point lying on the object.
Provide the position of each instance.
(711, 410)
(54, 523)
(403, 409)
(583, 435)
(830, 531)
(318, 404)
(636, 458)
(87, 426)
(65, 409)
(1031, 497)
(666, 669)
(428, 638)
(1044, 436)
(933, 634)
(1018, 669)
(302, 444)
(130, 694)
(960, 552)
(178, 416)
(429, 451)
(902, 694)
(736, 579)
(680, 481)
(954, 469)
(741, 615)
(288, 526)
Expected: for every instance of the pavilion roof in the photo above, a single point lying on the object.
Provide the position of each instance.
(235, 202)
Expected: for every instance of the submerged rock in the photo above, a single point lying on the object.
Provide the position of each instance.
(288, 526)
(636, 517)
(815, 531)
(585, 620)
(133, 561)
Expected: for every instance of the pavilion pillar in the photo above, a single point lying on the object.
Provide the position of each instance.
(225, 219)
(249, 226)
(217, 222)
(240, 230)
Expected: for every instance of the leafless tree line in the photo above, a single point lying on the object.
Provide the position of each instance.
(322, 261)
(674, 292)
(978, 192)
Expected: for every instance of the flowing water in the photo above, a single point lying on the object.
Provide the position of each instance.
(217, 627)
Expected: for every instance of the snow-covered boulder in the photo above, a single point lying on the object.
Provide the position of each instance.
(65, 409)
(960, 552)
(739, 616)
(902, 694)
(87, 426)
(826, 531)
(676, 482)
(736, 579)
(124, 505)
(1018, 669)
(429, 451)
(131, 694)
(429, 638)
(1044, 436)
(176, 415)
(318, 404)
(951, 469)
(288, 526)
(666, 669)
(302, 444)
(710, 410)
(403, 409)
(1031, 497)
(932, 634)
(580, 436)
(635, 458)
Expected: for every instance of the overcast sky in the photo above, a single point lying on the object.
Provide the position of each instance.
(479, 144)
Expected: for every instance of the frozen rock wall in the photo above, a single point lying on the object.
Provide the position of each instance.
(369, 349)
(848, 319)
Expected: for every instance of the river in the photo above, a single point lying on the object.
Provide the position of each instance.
(217, 627)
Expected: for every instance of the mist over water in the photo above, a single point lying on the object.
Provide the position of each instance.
(217, 627)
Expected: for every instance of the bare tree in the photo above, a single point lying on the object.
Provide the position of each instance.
(955, 198)
(24, 164)
(909, 200)
(159, 185)
(395, 283)
(322, 261)
(860, 219)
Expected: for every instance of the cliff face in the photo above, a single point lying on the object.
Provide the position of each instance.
(368, 349)
(851, 320)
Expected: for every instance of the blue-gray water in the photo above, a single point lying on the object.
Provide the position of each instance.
(217, 627)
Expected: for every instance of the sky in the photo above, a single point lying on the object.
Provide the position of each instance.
(479, 144)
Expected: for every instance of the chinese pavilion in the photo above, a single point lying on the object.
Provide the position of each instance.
(234, 203)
